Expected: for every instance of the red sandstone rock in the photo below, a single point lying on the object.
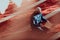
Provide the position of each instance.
(48, 3)
(10, 8)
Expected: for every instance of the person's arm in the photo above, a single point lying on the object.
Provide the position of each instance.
(48, 24)
(43, 19)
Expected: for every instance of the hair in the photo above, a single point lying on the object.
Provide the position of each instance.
(37, 11)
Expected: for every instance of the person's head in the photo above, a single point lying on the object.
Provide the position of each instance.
(38, 9)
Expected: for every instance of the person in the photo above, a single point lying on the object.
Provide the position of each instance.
(38, 18)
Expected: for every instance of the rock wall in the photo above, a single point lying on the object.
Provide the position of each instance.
(48, 3)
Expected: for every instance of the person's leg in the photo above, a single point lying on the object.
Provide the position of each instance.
(40, 27)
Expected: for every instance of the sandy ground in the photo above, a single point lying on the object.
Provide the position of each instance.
(19, 28)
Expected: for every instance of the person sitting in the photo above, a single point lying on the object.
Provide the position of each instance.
(38, 18)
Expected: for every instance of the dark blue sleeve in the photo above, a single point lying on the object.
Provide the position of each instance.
(43, 19)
